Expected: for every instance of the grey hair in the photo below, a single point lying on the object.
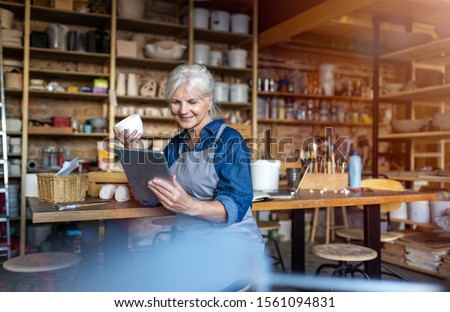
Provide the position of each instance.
(196, 79)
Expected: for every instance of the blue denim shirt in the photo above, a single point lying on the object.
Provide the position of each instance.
(232, 163)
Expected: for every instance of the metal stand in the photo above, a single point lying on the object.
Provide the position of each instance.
(5, 228)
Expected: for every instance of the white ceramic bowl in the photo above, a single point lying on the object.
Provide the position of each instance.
(441, 120)
(409, 125)
(393, 87)
(131, 123)
(166, 49)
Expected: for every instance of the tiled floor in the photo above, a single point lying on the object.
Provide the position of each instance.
(8, 280)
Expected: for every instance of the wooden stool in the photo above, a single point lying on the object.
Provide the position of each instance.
(358, 234)
(330, 225)
(343, 253)
(44, 264)
(269, 226)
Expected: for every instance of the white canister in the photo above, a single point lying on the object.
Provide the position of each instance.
(201, 53)
(201, 18)
(265, 175)
(400, 213)
(326, 76)
(31, 185)
(237, 58)
(438, 209)
(132, 85)
(419, 211)
(220, 20)
(215, 58)
(121, 84)
(239, 93)
(240, 23)
(221, 92)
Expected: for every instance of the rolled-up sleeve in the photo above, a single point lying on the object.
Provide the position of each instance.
(234, 189)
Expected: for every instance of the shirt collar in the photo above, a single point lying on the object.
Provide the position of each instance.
(211, 128)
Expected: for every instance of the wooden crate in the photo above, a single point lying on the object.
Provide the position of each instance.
(96, 180)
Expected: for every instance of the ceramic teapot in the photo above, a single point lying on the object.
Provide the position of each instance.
(170, 50)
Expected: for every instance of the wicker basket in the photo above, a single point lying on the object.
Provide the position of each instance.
(61, 189)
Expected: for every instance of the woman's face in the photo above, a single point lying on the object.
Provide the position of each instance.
(191, 111)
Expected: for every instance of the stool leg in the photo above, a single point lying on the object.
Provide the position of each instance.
(325, 265)
(327, 226)
(314, 224)
(277, 248)
(344, 216)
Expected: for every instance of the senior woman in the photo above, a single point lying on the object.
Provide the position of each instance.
(211, 190)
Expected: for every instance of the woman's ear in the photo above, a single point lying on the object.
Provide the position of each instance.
(210, 103)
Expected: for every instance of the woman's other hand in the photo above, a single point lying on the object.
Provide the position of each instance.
(172, 197)
(128, 140)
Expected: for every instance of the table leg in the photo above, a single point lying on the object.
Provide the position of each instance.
(298, 241)
(372, 239)
(116, 252)
(90, 247)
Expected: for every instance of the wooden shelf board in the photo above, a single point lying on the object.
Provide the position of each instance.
(433, 93)
(156, 27)
(70, 17)
(313, 123)
(234, 105)
(52, 133)
(66, 74)
(222, 37)
(429, 53)
(13, 92)
(13, 51)
(122, 99)
(68, 55)
(152, 118)
(17, 8)
(414, 135)
(317, 96)
(407, 221)
(242, 73)
(148, 62)
(70, 95)
(409, 176)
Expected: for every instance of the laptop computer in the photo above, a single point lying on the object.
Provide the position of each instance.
(141, 166)
(284, 193)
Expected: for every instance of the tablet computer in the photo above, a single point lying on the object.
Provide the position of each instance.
(141, 166)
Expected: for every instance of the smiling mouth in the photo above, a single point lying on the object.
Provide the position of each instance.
(185, 117)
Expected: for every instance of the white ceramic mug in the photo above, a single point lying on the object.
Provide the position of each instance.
(131, 123)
